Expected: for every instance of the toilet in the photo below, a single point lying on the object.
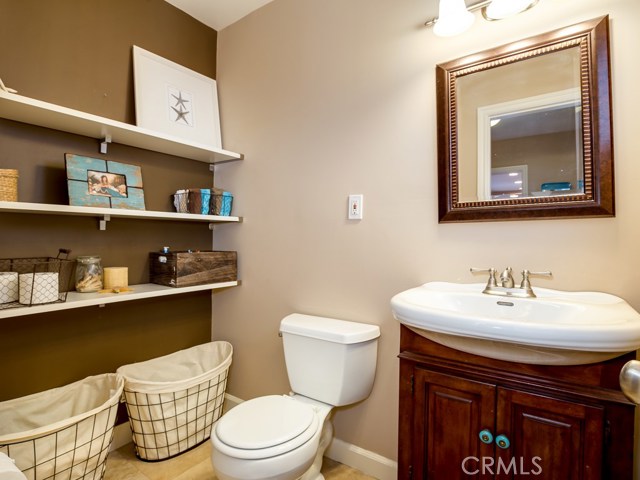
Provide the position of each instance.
(330, 363)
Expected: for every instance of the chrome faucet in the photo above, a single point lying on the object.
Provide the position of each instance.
(507, 285)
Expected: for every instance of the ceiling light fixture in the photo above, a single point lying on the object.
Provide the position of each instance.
(454, 17)
(499, 9)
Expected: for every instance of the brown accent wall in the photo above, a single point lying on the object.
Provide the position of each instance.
(77, 53)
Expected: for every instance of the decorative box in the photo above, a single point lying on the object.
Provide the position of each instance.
(183, 268)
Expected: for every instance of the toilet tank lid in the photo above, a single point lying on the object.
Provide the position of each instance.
(329, 329)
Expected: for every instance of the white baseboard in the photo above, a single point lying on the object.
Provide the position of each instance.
(369, 463)
(230, 401)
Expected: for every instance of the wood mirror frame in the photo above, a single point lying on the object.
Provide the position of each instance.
(597, 197)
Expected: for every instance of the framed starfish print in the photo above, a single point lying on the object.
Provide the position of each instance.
(175, 100)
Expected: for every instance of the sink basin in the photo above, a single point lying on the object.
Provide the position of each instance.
(556, 328)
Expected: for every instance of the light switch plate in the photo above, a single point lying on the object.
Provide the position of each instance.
(355, 207)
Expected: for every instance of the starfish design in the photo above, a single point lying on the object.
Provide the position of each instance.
(180, 102)
(181, 115)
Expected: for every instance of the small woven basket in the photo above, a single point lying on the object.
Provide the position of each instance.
(8, 185)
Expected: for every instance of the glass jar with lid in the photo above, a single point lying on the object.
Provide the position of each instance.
(88, 274)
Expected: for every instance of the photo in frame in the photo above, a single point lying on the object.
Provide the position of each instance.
(93, 182)
(175, 100)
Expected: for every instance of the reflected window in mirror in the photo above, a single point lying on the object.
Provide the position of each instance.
(524, 130)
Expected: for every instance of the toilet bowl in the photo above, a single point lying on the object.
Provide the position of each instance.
(272, 437)
(330, 363)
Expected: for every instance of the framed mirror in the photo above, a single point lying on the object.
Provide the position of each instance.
(524, 130)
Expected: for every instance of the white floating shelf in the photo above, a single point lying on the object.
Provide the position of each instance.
(141, 291)
(36, 112)
(101, 213)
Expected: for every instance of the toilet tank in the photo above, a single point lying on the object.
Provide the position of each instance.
(330, 360)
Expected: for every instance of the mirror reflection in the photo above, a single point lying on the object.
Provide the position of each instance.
(532, 152)
(520, 130)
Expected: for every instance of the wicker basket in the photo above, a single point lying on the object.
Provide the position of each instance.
(8, 185)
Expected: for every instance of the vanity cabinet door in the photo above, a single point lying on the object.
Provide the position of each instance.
(548, 438)
(574, 419)
(450, 412)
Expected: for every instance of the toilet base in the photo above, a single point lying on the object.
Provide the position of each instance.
(327, 434)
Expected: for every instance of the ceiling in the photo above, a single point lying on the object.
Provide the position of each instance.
(218, 14)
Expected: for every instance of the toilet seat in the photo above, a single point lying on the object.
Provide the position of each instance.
(265, 427)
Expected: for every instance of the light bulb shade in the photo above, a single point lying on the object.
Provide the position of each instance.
(453, 18)
(499, 9)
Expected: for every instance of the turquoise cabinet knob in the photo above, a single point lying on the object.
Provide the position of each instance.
(486, 436)
(502, 441)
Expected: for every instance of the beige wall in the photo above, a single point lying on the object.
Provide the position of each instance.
(332, 97)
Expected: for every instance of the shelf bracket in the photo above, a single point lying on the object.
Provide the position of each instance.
(212, 225)
(212, 169)
(103, 222)
(103, 145)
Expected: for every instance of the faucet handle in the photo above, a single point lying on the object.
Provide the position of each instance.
(526, 284)
(492, 275)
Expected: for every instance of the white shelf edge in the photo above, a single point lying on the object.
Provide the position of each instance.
(51, 209)
(36, 112)
(141, 291)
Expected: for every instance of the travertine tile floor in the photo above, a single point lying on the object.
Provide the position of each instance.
(122, 464)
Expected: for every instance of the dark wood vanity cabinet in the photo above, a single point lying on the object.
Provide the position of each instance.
(463, 416)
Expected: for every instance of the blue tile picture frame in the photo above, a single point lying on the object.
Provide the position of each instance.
(93, 182)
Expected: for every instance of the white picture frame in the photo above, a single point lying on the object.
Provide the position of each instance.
(175, 100)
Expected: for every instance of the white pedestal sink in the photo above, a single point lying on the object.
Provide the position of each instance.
(556, 328)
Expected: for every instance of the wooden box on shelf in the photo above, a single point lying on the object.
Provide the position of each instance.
(185, 268)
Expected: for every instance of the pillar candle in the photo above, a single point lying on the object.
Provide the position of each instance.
(116, 277)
